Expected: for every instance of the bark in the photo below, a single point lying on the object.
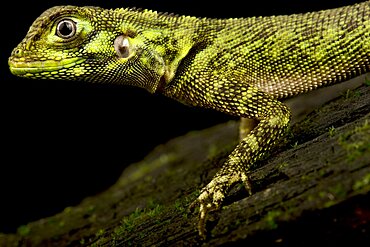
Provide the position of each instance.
(314, 188)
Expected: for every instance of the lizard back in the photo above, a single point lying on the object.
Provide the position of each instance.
(291, 54)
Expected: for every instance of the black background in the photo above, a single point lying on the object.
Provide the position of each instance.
(62, 141)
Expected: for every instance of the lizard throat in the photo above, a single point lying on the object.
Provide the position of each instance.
(28, 69)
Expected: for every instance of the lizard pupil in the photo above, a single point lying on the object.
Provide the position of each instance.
(66, 29)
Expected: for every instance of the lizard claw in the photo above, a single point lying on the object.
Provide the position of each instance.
(212, 196)
(206, 205)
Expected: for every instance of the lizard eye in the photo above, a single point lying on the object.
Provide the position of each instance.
(66, 29)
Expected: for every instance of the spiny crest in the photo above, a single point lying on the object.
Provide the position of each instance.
(127, 13)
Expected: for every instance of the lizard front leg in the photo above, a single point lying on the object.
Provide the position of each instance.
(273, 118)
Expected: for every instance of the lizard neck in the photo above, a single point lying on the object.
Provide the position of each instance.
(169, 39)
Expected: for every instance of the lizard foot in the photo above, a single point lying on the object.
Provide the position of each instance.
(212, 196)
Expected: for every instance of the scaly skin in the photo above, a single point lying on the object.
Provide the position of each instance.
(242, 67)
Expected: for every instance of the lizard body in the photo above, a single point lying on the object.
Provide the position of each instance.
(240, 66)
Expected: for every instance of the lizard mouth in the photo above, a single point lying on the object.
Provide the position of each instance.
(22, 68)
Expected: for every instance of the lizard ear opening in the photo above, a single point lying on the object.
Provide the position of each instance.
(122, 46)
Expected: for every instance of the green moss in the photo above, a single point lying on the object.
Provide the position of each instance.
(333, 194)
(338, 191)
(181, 208)
(224, 231)
(329, 204)
(155, 211)
(178, 205)
(349, 94)
(61, 224)
(151, 211)
(271, 218)
(323, 194)
(356, 141)
(82, 241)
(100, 233)
(330, 196)
(52, 221)
(311, 197)
(322, 172)
(24, 230)
(294, 144)
(331, 131)
(67, 210)
(289, 133)
(129, 222)
(102, 241)
(282, 165)
(237, 223)
(363, 183)
(90, 209)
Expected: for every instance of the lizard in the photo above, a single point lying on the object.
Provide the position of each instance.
(244, 67)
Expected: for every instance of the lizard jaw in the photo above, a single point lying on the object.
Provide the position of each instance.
(28, 69)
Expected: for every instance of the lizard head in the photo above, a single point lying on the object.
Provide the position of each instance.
(88, 44)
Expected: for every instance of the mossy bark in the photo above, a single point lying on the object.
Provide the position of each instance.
(313, 188)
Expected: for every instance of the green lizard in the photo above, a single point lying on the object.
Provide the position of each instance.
(240, 66)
